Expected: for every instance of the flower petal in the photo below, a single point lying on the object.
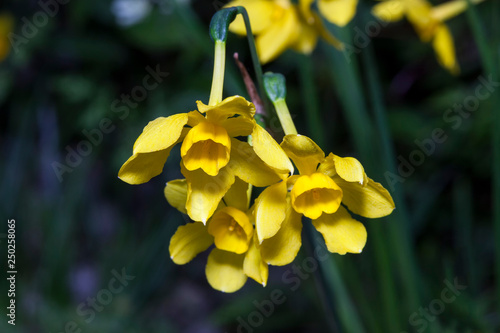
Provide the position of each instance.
(188, 241)
(229, 107)
(161, 133)
(419, 13)
(339, 12)
(231, 229)
(249, 167)
(324, 33)
(304, 152)
(260, 13)
(224, 271)
(237, 195)
(270, 151)
(348, 168)
(445, 49)
(270, 210)
(372, 200)
(176, 194)
(282, 33)
(315, 194)
(253, 265)
(307, 39)
(238, 126)
(341, 232)
(205, 192)
(206, 146)
(283, 247)
(389, 10)
(140, 168)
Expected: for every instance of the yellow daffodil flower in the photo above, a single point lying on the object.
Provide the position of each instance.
(428, 22)
(6, 26)
(280, 25)
(211, 154)
(338, 12)
(236, 254)
(325, 185)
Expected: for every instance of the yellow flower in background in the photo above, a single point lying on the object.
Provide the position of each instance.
(428, 22)
(236, 254)
(6, 26)
(280, 25)
(338, 12)
(211, 154)
(325, 185)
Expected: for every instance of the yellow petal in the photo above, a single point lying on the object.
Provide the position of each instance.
(237, 195)
(279, 36)
(304, 152)
(339, 12)
(270, 151)
(283, 247)
(419, 14)
(450, 9)
(305, 10)
(324, 33)
(231, 229)
(313, 195)
(389, 10)
(372, 200)
(161, 133)
(253, 265)
(188, 241)
(341, 232)
(194, 118)
(224, 271)
(445, 49)
(307, 39)
(140, 168)
(206, 146)
(260, 13)
(238, 126)
(348, 168)
(229, 107)
(205, 192)
(176, 194)
(249, 167)
(270, 210)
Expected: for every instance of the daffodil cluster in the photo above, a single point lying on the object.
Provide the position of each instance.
(224, 154)
(281, 24)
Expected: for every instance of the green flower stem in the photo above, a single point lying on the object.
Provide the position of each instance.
(345, 73)
(253, 52)
(330, 283)
(400, 218)
(284, 116)
(320, 282)
(218, 76)
(275, 87)
(311, 105)
(490, 58)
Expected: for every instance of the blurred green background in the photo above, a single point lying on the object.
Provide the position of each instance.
(66, 82)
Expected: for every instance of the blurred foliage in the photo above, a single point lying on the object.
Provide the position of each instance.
(72, 234)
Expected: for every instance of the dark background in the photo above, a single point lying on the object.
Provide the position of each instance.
(78, 226)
